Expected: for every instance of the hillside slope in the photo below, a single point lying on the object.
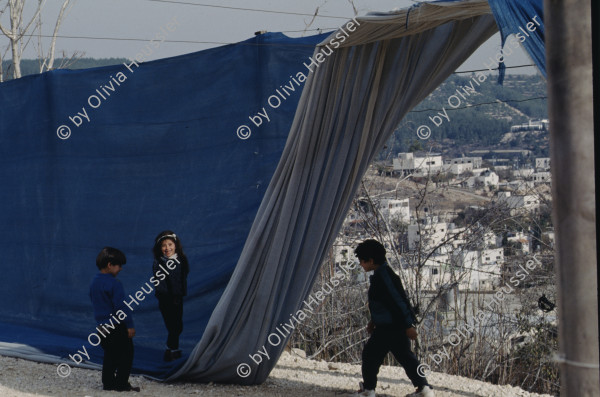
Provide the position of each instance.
(466, 109)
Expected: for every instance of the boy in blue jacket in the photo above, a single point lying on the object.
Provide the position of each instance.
(114, 319)
(392, 322)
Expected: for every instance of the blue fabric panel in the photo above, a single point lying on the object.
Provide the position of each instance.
(160, 151)
(512, 16)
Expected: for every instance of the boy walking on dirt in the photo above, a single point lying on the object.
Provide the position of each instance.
(392, 322)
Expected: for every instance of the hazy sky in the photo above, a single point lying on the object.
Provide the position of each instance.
(204, 27)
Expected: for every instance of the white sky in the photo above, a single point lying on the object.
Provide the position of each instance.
(142, 19)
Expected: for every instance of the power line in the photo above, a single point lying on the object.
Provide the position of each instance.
(483, 70)
(168, 41)
(309, 30)
(480, 104)
(228, 43)
(250, 9)
(259, 44)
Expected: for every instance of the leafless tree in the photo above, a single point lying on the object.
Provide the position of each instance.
(20, 30)
(510, 343)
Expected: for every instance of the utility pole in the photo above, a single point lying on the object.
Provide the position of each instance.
(568, 29)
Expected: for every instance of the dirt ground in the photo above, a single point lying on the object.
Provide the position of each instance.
(293, 376)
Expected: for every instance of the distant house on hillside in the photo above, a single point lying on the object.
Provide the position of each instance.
(548, 238)
(518, 203)
(474, 161)
(430, 233)
(531, 125)
(418, 165)
(542, 177)
(435, 272)
(483, 177)
(458, 169)
(393, 209)
(459, 165)
(542, 164)
(469, 270)
(522, 239)
(523, 173)
(483, 268)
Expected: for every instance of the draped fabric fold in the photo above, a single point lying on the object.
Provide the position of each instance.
(351, 104)
(512, 17)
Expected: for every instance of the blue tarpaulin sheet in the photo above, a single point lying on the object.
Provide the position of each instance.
(513, 17)
(152, 146)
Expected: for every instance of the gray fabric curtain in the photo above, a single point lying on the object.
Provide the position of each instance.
(349, 107)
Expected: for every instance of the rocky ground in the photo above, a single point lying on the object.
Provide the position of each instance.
(293, 376)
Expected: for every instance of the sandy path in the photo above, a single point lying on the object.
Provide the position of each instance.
(293, 376)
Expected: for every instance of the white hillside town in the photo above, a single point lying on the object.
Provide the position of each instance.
(523, 192)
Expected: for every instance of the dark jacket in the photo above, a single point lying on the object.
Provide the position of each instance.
(175, 282)
(388, 302)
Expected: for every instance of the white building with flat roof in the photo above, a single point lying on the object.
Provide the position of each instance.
(469, 270)
(542, 177)
(409, 163)
(516, 203)
(475, 162)
(523, 173)
(458, 169)
(532, 125)
(430, 235)
(524, 239)
(483, 178)
(481, 269)
(542, 163)
(435, 272)
(392, 209)
(519, 185)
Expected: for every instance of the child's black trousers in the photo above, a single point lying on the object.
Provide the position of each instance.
(171, 309)
(386, 338)
(118, 358)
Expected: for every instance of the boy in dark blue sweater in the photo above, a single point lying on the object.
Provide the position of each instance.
(392, 322)
(114, 319)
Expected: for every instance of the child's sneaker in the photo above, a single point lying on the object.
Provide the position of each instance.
(127, 387)
(423, 391)
(363, 392)
(168, 356)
